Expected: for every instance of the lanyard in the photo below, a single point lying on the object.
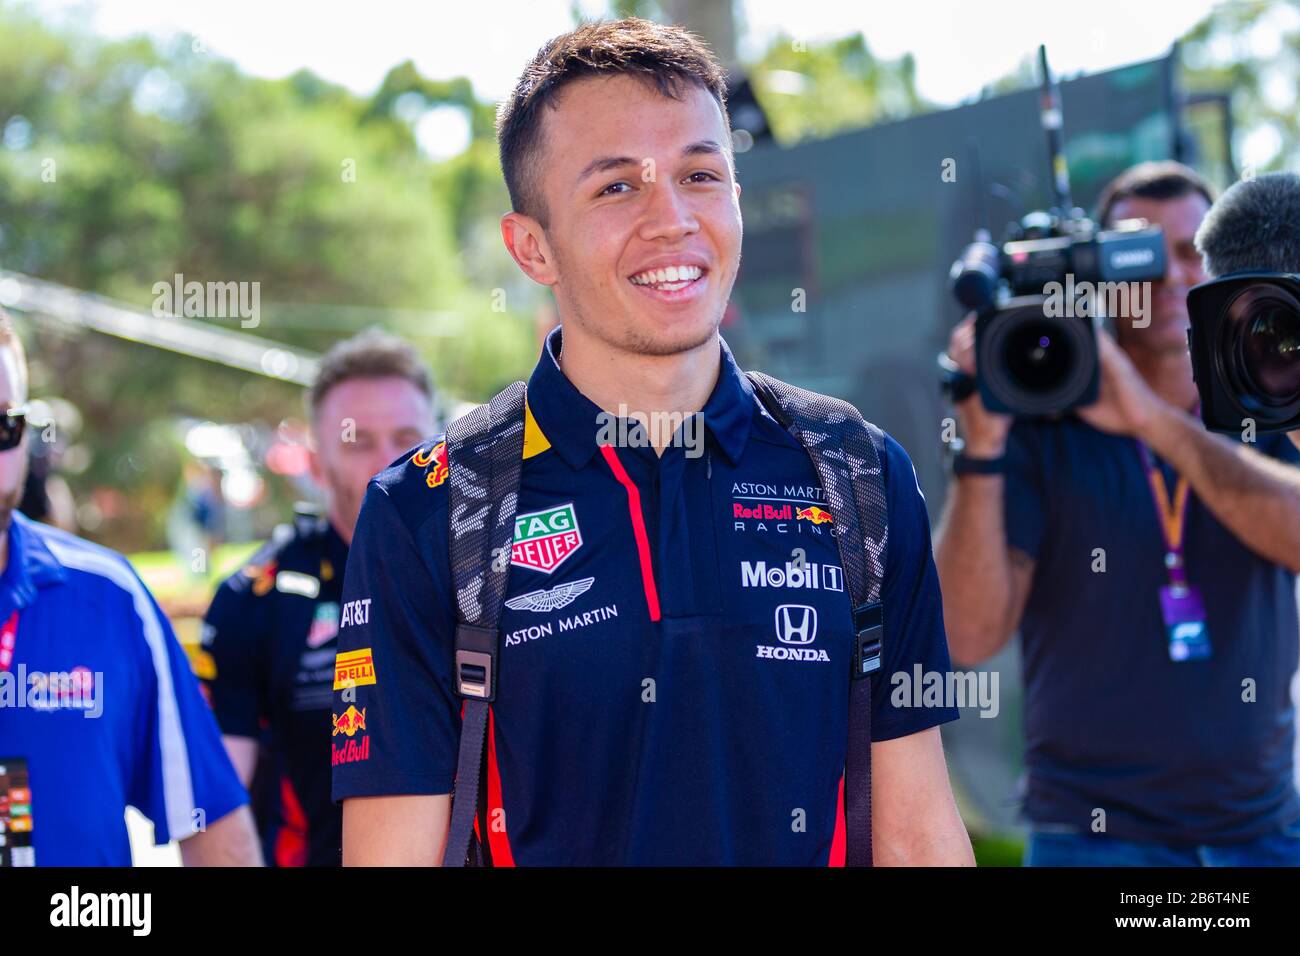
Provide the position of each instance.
(8, 637)
(1173, 515)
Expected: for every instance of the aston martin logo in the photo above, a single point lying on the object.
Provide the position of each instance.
(551, 599)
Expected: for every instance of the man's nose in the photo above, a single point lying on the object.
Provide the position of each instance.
(669, 214)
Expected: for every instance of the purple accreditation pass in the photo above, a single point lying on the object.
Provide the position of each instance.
(1184, 614)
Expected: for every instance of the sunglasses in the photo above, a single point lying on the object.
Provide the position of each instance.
(12, 425)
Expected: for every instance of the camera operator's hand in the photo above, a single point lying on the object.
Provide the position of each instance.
(984, 432)
(1126, 404)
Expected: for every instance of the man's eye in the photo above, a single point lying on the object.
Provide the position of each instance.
(609, 190)
(708, 176)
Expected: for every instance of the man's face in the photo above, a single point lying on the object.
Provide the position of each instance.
(1179, 218)
(361, 427)
(634, 183)
(13, 463)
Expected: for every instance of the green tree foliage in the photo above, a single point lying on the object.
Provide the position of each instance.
(123, 163)
(1251, 50)
(815, 89)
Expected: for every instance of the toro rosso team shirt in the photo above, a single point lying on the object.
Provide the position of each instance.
(267, 663)
(98, 710)
(674, 661)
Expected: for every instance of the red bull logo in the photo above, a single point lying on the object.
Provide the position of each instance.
(350, 722)
(435, 456)
(351, 751)
(814, 514)
(762, 512)
(263, 577)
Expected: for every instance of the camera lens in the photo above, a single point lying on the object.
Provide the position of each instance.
(1272, 353)
(1263, 326)
(1033, 363)
(1038, 356)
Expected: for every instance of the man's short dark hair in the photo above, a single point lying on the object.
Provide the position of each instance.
(666, 56)
(1254, 227)
(371, 354)
(1160, 180)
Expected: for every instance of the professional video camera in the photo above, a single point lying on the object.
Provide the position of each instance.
(1245, 343)
(1036, 348)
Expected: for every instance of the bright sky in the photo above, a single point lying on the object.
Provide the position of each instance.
(959, 45)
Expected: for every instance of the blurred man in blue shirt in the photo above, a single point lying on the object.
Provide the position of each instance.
(98, 708)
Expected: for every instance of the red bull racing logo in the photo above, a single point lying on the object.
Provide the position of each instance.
(350, 722)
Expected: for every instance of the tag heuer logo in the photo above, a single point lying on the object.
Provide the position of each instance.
(552, 599)
(544, 539)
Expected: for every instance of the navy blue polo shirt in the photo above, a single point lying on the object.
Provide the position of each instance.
(1172, 751)
(267, 661)
(98, 710)
(674, 668)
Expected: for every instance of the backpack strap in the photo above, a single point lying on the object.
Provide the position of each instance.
(846, 452)
(484, 458)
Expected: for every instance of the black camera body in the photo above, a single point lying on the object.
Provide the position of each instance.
(1245, 345)
(1036, 300)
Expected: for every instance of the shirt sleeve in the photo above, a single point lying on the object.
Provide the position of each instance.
(396, 720)
(1282, 448)
(915, 644)
(1024, 504)
(182, 779)
(229, 661)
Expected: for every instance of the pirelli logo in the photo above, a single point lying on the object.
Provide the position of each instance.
(354, 669)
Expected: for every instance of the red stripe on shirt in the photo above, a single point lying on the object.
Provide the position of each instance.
(638, 528)
(498, 840)
(839, 843)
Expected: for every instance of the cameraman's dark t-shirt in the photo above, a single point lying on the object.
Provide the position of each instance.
(1175, 752)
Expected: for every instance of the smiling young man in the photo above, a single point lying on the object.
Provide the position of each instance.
(676, 635)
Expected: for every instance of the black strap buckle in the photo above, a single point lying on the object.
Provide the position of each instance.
(476, 654)
(869, 628)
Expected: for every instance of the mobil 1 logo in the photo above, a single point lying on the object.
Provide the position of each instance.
(808, 575)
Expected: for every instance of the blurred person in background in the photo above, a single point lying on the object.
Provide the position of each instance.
(269, 638)
(98, 708)
(1106, 537)
(46, 496)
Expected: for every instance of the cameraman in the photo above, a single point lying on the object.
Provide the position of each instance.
(1103, 537)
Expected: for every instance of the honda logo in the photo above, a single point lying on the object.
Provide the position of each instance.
(796, 624)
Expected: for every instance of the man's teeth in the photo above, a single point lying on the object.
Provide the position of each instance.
(669, 279)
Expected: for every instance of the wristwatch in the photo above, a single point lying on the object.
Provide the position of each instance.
(962, 465)
(959, 463)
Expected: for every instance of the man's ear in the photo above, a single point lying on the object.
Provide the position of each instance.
(526, 242)
(315, 467)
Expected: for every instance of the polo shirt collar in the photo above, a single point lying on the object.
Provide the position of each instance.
(31, 564)
(569, 420)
